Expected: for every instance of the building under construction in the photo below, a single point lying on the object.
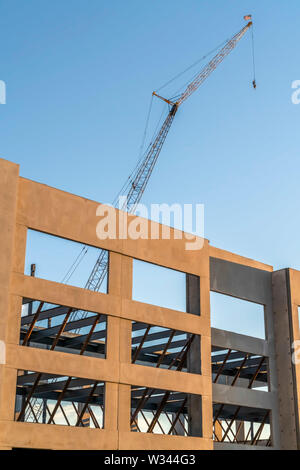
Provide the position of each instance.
(82, 369)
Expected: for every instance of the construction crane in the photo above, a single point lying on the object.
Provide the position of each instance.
(141, 175)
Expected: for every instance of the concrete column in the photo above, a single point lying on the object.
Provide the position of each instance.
(287, 388)
(119, 339)
(193, 307)
(9, 174)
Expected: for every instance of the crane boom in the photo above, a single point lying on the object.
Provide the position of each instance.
(144, 171)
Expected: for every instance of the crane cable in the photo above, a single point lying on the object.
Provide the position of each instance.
(128, 182)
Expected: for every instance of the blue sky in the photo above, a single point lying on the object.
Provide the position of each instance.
(79, 77)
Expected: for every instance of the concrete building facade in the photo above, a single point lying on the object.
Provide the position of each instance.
(123, 374)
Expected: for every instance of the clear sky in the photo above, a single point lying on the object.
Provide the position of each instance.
(79, 77)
